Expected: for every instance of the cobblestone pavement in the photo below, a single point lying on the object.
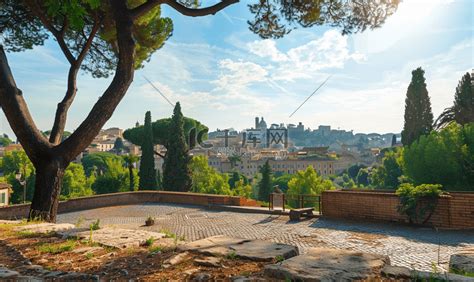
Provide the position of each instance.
(418, 248)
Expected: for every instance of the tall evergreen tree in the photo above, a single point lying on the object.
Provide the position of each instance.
(462, 111)
(147, 171)
(418, 114)
(176, 170)
(265, 184)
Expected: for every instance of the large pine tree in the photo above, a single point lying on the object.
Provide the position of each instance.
(147, 171)
(462, 111)
(418, 114)
(176, 171)
(265, 184)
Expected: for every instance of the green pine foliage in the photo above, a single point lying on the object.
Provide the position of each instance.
(418, 115)
(265, 184)
(147, 171)
(462, 111)
(176, 170)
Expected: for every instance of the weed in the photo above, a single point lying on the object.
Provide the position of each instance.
(26, 234)
(95, 225)
(155, 250)
(232, 255)
(149, 242)
(89, 255)
(279, 258)
(79, 222)
(461, 272)
(57, 248)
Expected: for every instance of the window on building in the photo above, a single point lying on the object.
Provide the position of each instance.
(3, 198)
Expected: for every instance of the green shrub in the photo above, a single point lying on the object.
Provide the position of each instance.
(418, 203)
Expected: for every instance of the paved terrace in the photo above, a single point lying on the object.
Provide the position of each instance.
(407, 246)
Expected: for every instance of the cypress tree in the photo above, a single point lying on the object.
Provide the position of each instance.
(418, 115)
(147, 171)
(265, 184)
(176, 171)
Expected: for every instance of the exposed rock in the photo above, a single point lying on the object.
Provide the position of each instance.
(34, 267)
(124, 272)
(324, 264)
(28, 279)
(115, 237)
(43, 261)
(430, 276)
(191, 271)
(7, 273)
(177, 259)
(45, 227)
(208, 261)
(390, 271)
(203, 276)
(257, 250)
(10, 221)
(463, 261)
(53, 274)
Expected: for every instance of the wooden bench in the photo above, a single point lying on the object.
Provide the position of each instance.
(296, 214)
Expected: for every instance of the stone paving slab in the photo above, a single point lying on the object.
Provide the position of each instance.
(2, 221)
(406, 246)
(257, 250)
(114, 237)
(325, 264)
(45, 227)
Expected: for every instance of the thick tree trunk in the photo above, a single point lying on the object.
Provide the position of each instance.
(49, 179)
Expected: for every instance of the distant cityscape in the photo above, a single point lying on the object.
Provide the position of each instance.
(288, 148)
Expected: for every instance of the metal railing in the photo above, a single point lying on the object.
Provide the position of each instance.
(298, 201)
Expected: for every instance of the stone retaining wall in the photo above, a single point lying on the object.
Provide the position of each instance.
(131, 198)
(455, 210)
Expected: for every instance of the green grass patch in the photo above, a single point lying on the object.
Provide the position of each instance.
(155, 249)
(57, 248)
(461, 272)
(232, 255)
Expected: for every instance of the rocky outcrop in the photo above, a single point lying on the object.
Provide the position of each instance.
(256, 250)
(324, 264)
(463, 261)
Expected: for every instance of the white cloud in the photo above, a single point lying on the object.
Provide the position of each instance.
(327, 52)
(267, 49)
(239, 74)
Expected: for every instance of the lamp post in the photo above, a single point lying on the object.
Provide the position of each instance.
(22, 180)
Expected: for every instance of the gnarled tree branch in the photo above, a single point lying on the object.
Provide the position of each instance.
(63, 106)
(18, 115)
(192, 12)
(105, 106)
(58, 34)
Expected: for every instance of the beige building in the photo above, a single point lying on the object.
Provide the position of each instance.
(249, 166)
(4, 194)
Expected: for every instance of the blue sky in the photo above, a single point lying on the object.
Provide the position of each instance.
(224, 75)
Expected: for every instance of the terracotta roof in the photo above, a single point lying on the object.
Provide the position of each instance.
(5, 186)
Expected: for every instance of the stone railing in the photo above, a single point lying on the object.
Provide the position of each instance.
(131, 198)
(455, 210)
